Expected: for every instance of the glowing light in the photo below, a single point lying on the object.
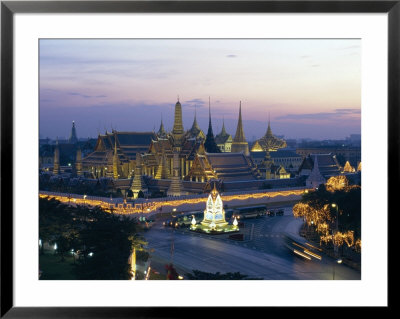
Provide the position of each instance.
(348, 168)
(128, 208)
(235, 222)
(180, 277)
(193, 221)
(147, 273)
(336, 183)
(40, 243)
(90, 254)
(312, 254)
(301, 254)
(55, 246)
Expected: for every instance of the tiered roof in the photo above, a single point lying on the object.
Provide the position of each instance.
(327, 164)
(270, 142)
(227, 166)
(223, 137)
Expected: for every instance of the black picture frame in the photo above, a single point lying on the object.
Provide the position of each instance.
(9, 8)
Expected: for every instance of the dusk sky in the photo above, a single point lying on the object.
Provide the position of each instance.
(310, 88)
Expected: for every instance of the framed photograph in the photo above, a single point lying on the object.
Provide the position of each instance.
(237, 147)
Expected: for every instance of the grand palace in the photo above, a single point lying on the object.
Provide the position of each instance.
(183, 162)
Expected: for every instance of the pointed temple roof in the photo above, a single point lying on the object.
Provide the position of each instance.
(327, 164)
(161, 132)
(239, 136)
(239, 143)
(73, 138)
(315, 178)
(269, 142)
(209, 144)
(223, 137)
(195, 131)
(177, 131)
(178, 125)
(128, 145)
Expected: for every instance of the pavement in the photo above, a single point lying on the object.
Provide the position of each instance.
(262, 255)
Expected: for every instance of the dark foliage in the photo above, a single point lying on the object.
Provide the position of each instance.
(348, 203)
(103, 241)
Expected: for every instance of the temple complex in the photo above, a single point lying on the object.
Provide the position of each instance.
(181, 162)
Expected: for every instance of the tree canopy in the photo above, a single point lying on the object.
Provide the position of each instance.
(336, 203)
(103, 241)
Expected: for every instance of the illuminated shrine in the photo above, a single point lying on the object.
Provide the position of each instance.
(214, 216)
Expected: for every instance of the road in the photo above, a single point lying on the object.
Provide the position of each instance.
(261, 255)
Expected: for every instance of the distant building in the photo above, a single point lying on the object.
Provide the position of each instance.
(224, 140)
(269, 142)
(343, 153)
(285, 158)
(315, 178)
(327, 165)
(222, 166)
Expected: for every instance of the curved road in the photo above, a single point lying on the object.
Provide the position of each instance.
(262, 255)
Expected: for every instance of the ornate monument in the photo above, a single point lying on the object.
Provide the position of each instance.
(214, 216)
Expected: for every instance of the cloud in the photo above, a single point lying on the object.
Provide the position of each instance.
(231, 56)
(353, 111)
(86, 96)
(197, 102)
(338, 114)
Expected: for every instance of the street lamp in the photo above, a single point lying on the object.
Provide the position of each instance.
(337, 261)
(73, 254)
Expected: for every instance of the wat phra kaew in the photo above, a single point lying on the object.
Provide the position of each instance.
(186, 162)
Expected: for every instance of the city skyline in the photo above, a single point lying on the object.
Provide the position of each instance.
(308, 88)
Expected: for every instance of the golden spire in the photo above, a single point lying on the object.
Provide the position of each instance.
(177, 131)
(239, 136)
(214, 191)
(269, 131)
